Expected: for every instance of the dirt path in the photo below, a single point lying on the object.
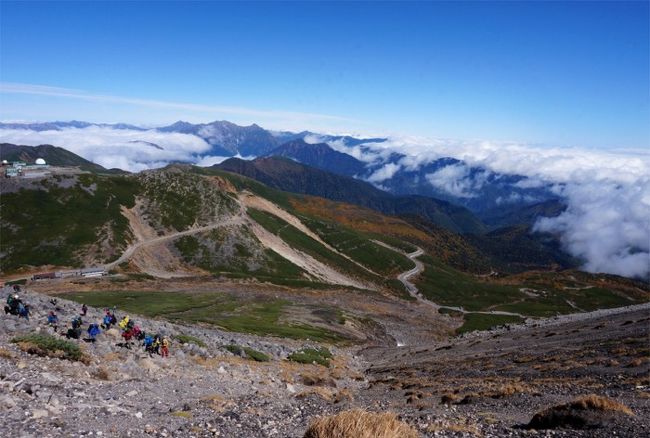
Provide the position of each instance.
(131, 249)
(149, 246)
(415, 293)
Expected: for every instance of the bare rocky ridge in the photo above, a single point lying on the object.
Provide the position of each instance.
(493, 382)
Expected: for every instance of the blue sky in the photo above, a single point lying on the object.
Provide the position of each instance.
(574, 74)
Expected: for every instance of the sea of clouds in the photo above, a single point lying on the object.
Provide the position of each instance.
(125, 149)
(606, 224)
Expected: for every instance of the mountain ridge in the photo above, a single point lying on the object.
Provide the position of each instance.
(291, 176)
(483, 192)
(53, 155)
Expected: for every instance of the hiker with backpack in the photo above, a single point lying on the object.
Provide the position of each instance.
(84, 309)
(164, 349)
(93, 331)
(23, 311)
(148, 344)
(53, 320)
(109, 319)
(124, 322)
(156, 344)
(77, 322)
(106, 322)
(73, 333)
(13, 304)
(138, 334)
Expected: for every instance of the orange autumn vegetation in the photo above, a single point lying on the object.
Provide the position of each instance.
(445, 246)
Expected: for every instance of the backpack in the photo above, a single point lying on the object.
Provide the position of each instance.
(93, 330)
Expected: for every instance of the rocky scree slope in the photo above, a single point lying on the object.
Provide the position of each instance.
(198, 391)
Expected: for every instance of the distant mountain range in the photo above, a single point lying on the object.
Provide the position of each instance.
(496, 199)
(58, 126)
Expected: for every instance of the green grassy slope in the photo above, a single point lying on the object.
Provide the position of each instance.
(533, 294)
(52, 224)
(177, 198)
(261, 315)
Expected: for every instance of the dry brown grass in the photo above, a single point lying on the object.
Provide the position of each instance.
(523, 359)
(444, 426)
(182, 414)
(343, 395)
(637, 362)
(112, 357)
(217, 402)
(101, 373)
(449, 399)
(327, 394)
(292, 372)
(581, 413)
(324, 393)
(357, 423)
(466, 392)
(6, 354)
(599, 403)
(507, 390)
(317, 379)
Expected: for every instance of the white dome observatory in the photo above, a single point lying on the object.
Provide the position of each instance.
(40, 161)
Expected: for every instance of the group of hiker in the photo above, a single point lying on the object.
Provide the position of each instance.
(130, 332)
(16, 306)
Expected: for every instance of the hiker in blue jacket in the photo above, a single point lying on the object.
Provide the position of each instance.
(93, 331)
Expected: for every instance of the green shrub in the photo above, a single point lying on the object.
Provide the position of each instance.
(320, 356)
(234, 349)
(251, 353)
(187, 339)
(51, 346)
(257, 356)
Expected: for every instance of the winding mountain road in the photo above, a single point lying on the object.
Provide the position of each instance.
(131, 249)
(415, 293)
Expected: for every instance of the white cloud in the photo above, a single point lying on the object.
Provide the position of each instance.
(607, 222)
(384, 173)
(456, 180)
(211, 160)
(122, 148)
(45, 90)
(515, 197)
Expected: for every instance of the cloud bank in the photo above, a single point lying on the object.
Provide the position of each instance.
(122, 148)
(457, 180)
(607, 222)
